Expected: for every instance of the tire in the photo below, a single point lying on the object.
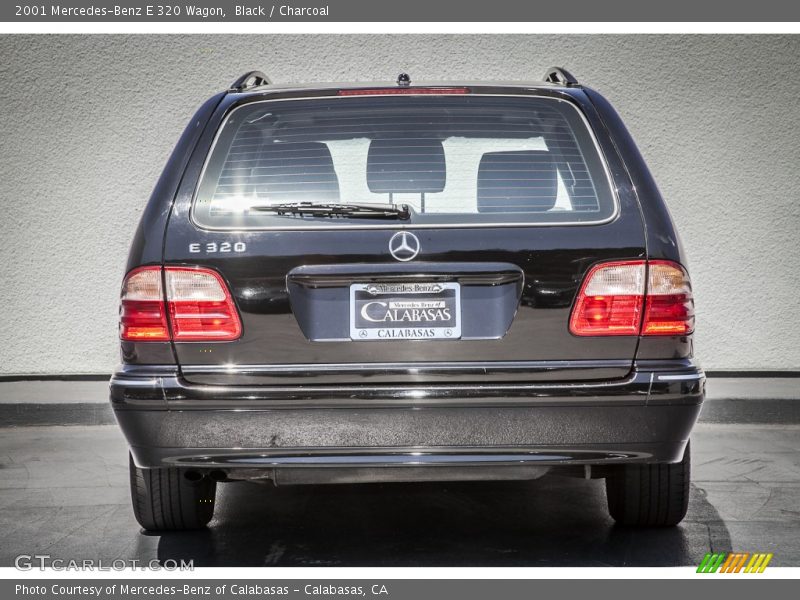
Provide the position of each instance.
(165, 500)
(650, 495)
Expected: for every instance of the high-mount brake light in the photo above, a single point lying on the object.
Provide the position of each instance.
(614, 300)
(404, 91)
(198, 305)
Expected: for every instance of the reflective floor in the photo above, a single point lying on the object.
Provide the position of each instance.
(64, 492)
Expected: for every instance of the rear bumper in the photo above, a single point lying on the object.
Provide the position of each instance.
(646, 417)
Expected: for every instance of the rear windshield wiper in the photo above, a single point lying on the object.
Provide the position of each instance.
(331, 209)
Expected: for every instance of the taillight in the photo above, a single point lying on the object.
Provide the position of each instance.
(669, 309)
(614, 297)
(198, 305)
(610, 301)
(141, 314)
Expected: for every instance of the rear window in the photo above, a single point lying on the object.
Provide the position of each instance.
(453, 160)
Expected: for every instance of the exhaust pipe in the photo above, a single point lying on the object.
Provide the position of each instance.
(218, 476)
(193, 476)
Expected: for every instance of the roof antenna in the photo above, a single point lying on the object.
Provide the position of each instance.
(404, 80)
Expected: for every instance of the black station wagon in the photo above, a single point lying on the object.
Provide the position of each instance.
(406, 282)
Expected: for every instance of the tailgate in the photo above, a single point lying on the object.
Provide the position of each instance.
(511, 203)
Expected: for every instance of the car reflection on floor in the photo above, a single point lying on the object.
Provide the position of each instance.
(744, 498)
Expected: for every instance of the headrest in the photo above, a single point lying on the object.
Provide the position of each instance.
(519, 181)
(295, 172)
(406, 165)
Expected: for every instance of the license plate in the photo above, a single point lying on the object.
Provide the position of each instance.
(405, 311)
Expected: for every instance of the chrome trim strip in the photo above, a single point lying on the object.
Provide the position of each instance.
(136, 382)
(400, 227)
(414, 391)
(690, 377)
(405, 366)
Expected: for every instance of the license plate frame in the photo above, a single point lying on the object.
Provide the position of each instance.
(405, 297)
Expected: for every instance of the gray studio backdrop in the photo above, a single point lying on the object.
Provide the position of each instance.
(87, 122)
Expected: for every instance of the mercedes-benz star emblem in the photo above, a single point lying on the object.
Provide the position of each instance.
(404, 246)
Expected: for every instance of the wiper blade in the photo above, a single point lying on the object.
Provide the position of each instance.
(331, 209)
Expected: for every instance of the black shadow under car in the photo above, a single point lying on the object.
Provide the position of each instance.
(410, 282)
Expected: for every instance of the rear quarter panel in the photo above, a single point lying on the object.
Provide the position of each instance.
(662, 239)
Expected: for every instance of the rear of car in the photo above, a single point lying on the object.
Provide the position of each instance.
(405, 283)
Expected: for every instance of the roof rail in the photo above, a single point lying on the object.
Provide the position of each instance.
(560, 75)
(249, 80)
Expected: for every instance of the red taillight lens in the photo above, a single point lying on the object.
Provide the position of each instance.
(614, 296)
(669, 309)
(610, 301)
(403, 91)
(199, 306)
(141, 315)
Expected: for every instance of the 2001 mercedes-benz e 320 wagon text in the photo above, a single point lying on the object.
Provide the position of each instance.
(358, 283)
